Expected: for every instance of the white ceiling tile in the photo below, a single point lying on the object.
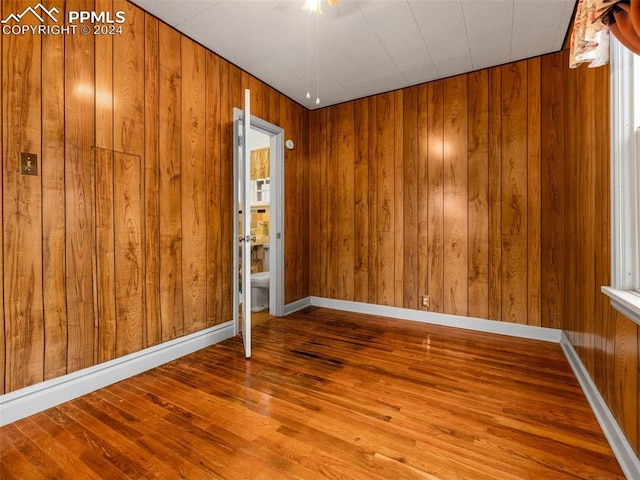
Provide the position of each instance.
(363, 89)
(451, 48)
(390, 82)
(410, 59)
(421, 74)
(365, 50)
(451, 25)
(536, 14)
(428, 10)
(349, 75)
(392, 17)
(488, 20)
(485, 58)
(454, 66)
(378, 67)
(174, 12)
(397, 42)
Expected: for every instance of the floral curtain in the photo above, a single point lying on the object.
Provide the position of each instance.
(590, 36)
(594, 20)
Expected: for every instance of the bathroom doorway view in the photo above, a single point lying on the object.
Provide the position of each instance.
(259, 183)
(260, 223)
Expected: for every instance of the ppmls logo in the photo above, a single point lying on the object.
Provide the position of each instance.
(101, 23)
(34, 11)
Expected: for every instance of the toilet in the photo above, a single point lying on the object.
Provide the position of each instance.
(260, 285)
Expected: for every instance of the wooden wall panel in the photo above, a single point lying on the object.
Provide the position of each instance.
(151, 182)
(226, 189)
(361, 200)
(398, 197)
(602, 271)
(104, 78)
(385, 207)
(479, 194)
(410, 199)
(215, 202)
(128, 254)
(302, 260)
(323, 218)
(170, 184)
(373, 200)
(553, 125)
(293, 204)
(53, 207)
(455, 189)
(105, 254)
(330, 206)
(534, 202)
(495, 194)
(22, 211)
(315, 207)
(128, 82)
(435, 196)
(193, 171)
(514, 192)
(423, 190)
(79, 131)
(129, 145)
(345, 195)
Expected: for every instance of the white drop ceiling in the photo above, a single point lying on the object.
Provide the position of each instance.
(366, 47)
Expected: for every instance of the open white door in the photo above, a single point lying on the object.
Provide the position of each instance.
(242, 228)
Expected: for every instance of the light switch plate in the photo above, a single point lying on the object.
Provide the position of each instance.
(28, 163)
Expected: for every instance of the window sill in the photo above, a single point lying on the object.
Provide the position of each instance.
(625, 302)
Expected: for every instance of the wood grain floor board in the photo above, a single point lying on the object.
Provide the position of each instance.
(329, 395)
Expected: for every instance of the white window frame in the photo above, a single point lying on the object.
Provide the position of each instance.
(625, 182)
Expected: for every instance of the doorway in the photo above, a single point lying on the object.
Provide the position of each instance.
(267, 227)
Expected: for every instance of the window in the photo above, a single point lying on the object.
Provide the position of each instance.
(625, 181)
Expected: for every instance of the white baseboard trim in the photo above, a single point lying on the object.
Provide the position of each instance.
(468, 323)
(293, 307)
(622, 449)
(47, 394)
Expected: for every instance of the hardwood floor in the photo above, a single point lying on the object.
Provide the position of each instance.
(328, 395)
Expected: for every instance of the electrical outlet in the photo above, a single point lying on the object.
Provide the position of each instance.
(425, 300)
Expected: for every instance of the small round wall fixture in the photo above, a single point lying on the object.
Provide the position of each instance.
(289, 144)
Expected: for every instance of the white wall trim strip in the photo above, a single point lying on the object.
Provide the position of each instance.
(628, 460)
(468, 323)
(292, 307)
(47, 394)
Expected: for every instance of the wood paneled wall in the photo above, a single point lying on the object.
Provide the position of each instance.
(432, 190)
(577, 245)
(124, 239)
(489, 192)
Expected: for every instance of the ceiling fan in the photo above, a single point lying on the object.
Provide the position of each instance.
(316, 5)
